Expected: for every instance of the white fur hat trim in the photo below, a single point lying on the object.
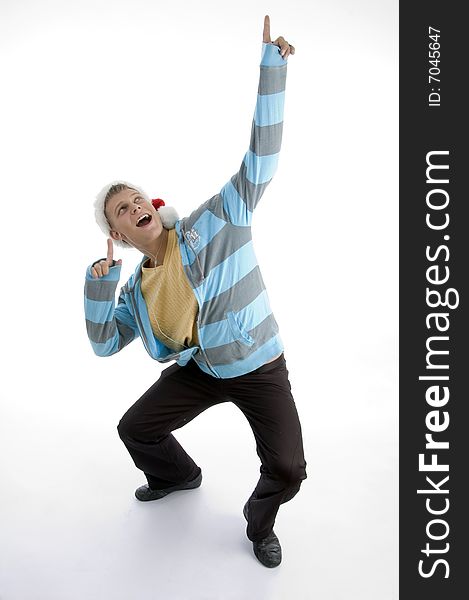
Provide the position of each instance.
(168, 214)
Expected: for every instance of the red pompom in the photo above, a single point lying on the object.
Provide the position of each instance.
(157, 202)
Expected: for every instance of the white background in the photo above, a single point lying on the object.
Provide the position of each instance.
(162, 95)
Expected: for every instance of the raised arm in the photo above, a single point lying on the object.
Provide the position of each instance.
(110, 328)
(245, 188)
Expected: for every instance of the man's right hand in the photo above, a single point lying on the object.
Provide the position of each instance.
(102, 267)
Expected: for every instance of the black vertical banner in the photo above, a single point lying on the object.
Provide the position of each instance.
(434, 255)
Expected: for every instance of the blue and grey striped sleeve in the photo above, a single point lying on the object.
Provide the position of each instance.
(244, 190)
(110, 328)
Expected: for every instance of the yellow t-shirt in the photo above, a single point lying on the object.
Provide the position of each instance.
(171, 303)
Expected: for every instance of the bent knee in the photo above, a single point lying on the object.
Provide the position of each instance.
(128, 428)
(134, 427)
(289, 474)
(123, 428)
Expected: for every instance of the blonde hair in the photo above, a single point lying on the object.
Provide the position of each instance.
(168, 215)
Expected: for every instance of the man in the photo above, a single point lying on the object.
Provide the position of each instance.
(198, 297)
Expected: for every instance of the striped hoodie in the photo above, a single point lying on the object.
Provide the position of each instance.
(236, 328)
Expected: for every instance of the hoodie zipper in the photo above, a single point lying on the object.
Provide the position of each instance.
(187, 239)
(130, 291)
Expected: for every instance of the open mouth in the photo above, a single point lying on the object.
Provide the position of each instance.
(144, 220)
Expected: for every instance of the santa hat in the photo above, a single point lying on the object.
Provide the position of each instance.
(168, 214)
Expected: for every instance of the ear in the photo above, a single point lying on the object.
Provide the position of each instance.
(115, 235)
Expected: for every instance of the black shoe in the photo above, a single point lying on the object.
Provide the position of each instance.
(268, 551)
(144, 493)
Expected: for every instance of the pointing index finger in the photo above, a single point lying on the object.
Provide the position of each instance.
(110, 251)
(266, 32)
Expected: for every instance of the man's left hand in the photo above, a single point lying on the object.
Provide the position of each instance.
(285, 48)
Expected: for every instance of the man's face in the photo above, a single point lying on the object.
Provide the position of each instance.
(132, 218)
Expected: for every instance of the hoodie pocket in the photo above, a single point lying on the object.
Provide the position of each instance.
(237, 330)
